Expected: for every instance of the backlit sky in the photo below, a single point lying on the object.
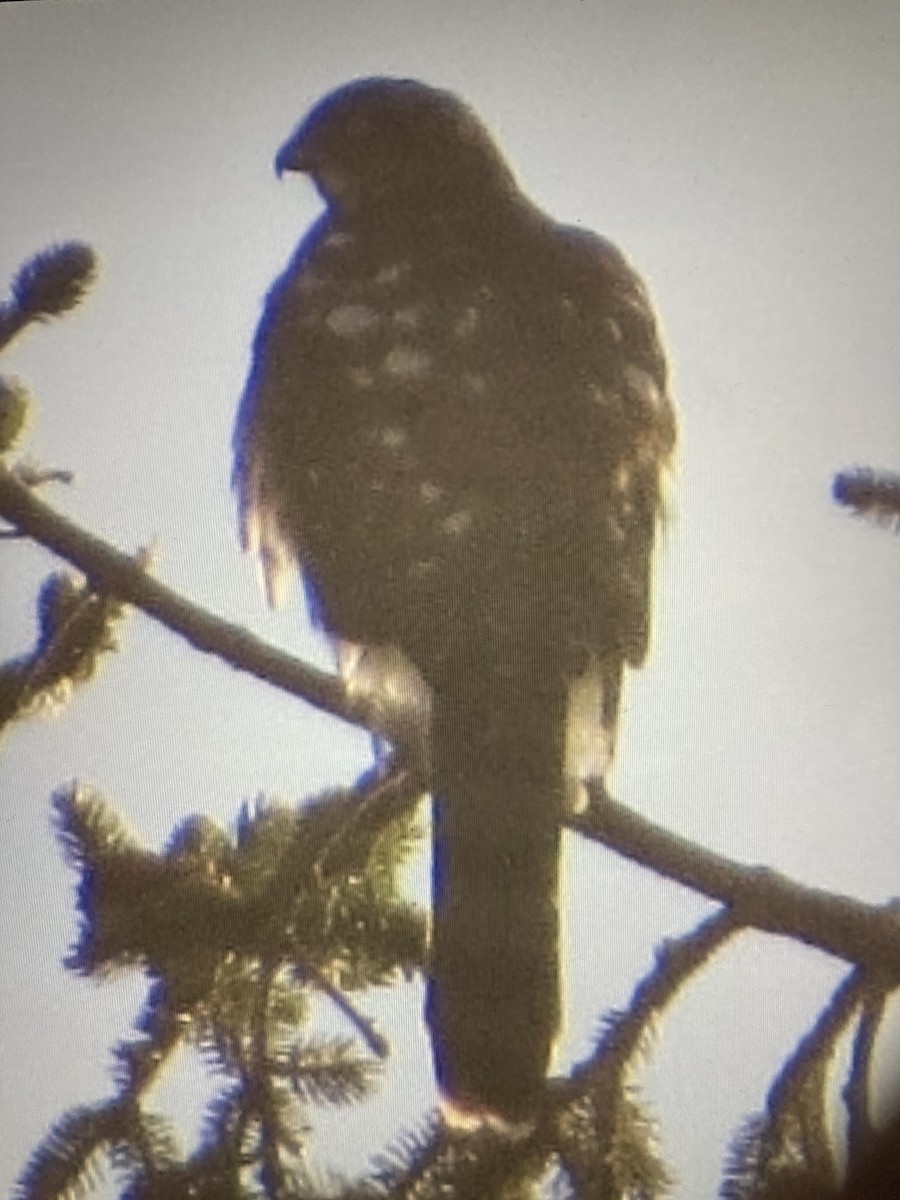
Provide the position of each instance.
(746, 157)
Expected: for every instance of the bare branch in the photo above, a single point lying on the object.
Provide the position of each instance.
(865, 934)
(113, 573)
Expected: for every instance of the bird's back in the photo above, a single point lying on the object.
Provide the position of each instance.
(462, 433)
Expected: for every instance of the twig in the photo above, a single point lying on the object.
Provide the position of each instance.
(380, 796)
(819, 1041)
(856, 1093)
(677, 960)
(376, 1043)
(262, 1095)
(33, 476)
(796, 1116)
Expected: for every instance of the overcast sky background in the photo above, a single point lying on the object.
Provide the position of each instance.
(747, 158)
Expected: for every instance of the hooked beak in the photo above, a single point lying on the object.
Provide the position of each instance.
(293, 155)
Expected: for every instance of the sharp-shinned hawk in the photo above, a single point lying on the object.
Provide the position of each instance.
(457, 422)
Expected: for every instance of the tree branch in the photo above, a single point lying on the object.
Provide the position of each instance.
(859, 933)
(111, 572)
(865, 934)
(677, 960)
(371, 1038)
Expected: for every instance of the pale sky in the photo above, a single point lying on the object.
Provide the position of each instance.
(746, 158)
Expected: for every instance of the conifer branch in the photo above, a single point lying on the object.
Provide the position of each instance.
(480, 1164)
(605, 1138)
(326, 1073)
(67, 1160)
(857, 1090)
(50, 284)
(677, 960)
(77, 627)
(870, 494)
(443, 1161)
(787, 1150)
(370, 1036)
(815, 1046)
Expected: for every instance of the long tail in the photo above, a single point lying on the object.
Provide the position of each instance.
(493, 1004)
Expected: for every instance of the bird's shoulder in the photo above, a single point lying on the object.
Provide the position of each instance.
(604, 288)
(550, 314)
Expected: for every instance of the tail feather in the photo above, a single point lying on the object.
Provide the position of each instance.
(493, 1004)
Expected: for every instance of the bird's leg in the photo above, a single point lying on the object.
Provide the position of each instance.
(392, 697)
(592, 711)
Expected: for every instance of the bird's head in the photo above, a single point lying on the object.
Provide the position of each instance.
(377, 141)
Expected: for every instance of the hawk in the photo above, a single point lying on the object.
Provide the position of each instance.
(457, 423)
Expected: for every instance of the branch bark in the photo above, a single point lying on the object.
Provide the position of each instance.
(111, 572)
(865, 934)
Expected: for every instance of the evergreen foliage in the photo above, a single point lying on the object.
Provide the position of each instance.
(874, 495)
